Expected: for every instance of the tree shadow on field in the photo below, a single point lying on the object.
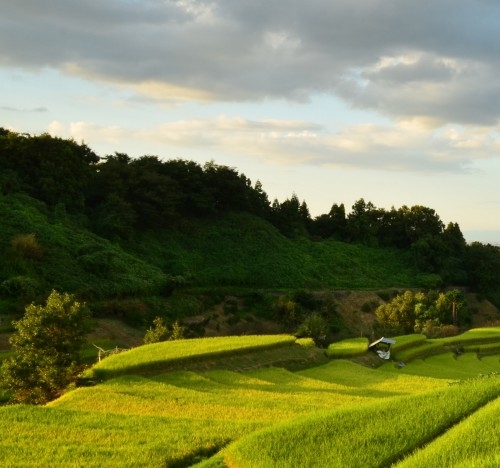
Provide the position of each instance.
(196, 456)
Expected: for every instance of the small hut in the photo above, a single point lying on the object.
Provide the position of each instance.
(382, 347)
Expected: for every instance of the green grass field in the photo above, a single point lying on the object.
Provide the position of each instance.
(336, 414)
(347, 348)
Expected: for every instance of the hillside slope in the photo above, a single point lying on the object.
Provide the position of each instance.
(43, 249)
(240, 249)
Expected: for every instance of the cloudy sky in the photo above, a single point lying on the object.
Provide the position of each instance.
(393, 101)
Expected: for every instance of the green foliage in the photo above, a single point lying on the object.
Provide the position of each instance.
(51, 169)
(27, 246)
(46, 347)
(483, 263)
(119, 227)
(160, 332)
(20, 286)
(178, 331)
(305, 299)
(429, 281)
(423, 312)
(313, 326)
(287, 311)
(74, 259)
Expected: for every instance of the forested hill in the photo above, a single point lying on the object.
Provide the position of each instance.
(114, 226)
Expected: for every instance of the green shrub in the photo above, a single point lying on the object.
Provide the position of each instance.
(20, 286)
(314, 326)
(27, 246)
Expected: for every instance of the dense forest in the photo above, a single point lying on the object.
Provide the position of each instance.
(120, 222)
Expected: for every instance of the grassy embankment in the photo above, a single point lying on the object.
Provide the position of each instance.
(366, 417)
(347, 348)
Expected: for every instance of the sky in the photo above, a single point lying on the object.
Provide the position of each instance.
(393, 101)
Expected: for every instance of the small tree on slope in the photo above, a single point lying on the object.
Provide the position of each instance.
(46, 349)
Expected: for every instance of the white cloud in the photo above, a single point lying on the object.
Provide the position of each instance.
(407, 146)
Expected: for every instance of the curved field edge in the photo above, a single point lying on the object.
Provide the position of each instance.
(374, 435)
(472, 443)
(159, 356)
(410, 347)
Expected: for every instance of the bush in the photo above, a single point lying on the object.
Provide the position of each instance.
(314, 326)
(20, 286)
(287, 311)
(160, 332)
(27, 246)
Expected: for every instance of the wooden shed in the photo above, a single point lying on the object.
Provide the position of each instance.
(382, 347)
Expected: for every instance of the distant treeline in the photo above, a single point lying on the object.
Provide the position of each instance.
(122, 196)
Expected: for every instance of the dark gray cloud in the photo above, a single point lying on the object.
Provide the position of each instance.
(432, 58)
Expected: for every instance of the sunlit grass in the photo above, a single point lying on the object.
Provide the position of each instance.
(158, 356)
(421, 350)
(369, 381)
(447, 366)
(407, 341)
(481, 340)
(474, 335)
(336, 414)
(473, 443)
(347, 348)
(50, 437)
(367, 436)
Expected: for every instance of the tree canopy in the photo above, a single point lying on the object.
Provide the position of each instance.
(119, 196)
(46, 349)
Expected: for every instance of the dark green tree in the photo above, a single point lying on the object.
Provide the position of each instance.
(291, 217)
(54, 170)
(483, 266)
(331, 225)
(46, 349)
(363, 223)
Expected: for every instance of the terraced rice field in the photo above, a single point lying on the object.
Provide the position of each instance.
(336, 414)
